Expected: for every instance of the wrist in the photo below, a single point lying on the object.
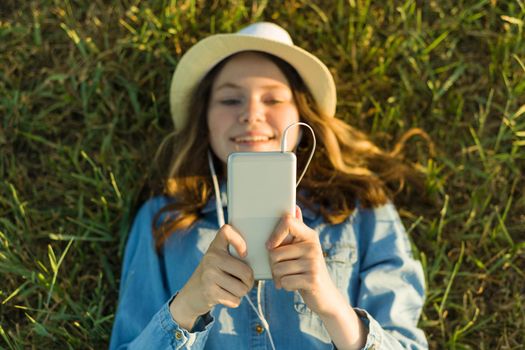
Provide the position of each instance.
(345, 327)
(316, 301)
(182, 313)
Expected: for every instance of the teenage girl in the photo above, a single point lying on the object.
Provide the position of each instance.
(343, 273)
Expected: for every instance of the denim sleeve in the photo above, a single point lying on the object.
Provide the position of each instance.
(392, 289)
(143, 319)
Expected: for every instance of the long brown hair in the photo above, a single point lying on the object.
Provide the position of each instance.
(347, 167)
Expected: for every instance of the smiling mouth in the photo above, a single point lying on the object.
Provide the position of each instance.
(252, 139)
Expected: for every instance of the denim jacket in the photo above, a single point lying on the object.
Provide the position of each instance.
(368, 257)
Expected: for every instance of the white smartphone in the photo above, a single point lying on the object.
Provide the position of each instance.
(261, 189)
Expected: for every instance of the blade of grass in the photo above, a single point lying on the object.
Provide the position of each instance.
(55, 268)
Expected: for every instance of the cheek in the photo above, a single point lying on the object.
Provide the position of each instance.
(215, 134)
(211, 120)
(286, 117)
(218, 128)
(292, 114)
(289, 117)
(214, 121)
(219, 119)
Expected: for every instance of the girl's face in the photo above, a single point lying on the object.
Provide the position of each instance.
(251, 104)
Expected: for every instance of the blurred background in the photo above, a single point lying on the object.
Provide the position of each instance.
(84, 106)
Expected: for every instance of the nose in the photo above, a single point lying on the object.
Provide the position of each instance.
(253, 112)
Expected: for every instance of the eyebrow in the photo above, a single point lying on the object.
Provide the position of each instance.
(235, 86)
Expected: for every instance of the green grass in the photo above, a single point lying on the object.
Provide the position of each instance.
(84, 105)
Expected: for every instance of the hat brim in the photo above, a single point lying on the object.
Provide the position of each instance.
(207, 53)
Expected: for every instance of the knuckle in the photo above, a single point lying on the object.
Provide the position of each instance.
(274, 255)
(209, 275)
(247, 272)
(285, 284)
(276, 271)
(244, 290)
(228, 231)
(225, 231)
(235, 303)
(247, 282)
(314, 267)
(222, 234)
(280, 268)
(210, 255)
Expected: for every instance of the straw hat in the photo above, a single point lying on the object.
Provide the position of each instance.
(262, 36)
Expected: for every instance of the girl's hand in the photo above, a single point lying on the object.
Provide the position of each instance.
(297, 263)
(219, 279)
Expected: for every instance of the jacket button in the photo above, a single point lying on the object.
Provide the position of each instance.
(178, 335)
(259, 329)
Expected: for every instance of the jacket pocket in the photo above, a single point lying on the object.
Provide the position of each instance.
(342, 253)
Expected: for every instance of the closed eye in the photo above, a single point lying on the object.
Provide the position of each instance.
(230, 101)
(272, 102)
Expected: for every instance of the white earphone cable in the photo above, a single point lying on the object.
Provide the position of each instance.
(284, 146)
(218, 202)
(258, 311)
